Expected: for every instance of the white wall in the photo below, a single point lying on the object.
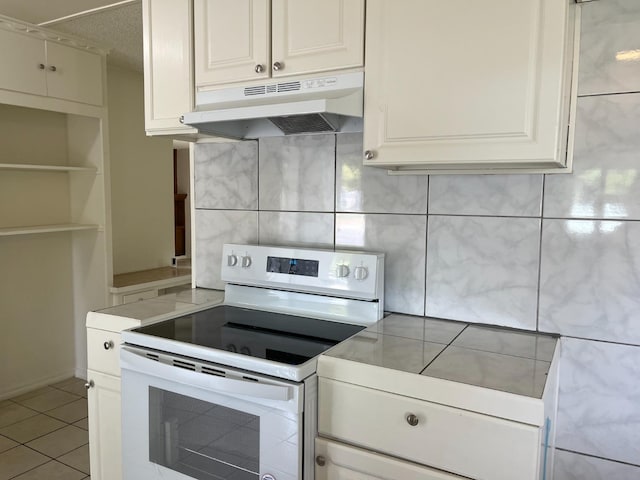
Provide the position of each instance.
(141, 180)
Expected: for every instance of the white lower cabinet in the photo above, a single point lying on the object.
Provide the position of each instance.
(103, 395)
(445, 438)
(105, 431)
(337, 461)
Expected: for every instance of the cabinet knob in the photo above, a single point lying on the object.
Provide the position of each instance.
(369, 154)
(52, 68)
(277, 66)
(89, 384)
(181, 119)
(412, 420)
(320, 460)
(41, 66)
(259, 68)
(108, 345)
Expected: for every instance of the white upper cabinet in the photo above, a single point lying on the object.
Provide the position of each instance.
(247, 40)
(454, 85)
(316, 35)
(231, 40)
(74, 74)
(23, 63)
(35, 65)
(168, 65)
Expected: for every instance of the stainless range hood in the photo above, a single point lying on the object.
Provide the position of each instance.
(328, 103)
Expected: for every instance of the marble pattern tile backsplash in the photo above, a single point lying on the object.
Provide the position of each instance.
(553, 253)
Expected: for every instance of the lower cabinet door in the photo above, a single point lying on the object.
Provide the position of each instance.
(336, 461)
(105, 432)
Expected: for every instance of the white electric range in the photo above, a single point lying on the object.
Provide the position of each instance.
(230, 392)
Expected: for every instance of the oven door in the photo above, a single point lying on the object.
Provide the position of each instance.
(186, 419)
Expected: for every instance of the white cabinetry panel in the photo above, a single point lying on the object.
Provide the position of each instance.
(466, 443)
(105, 442)
(168, 64)
(249, 40)
(22, 60)
(77, 75)
(335, 461)
(232, 38)
(317, 35)
(460, 85)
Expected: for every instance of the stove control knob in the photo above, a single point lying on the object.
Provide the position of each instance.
(246, 261)
(232, 260)
(361, 273)
(342, 271)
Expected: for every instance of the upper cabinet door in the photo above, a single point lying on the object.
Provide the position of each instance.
(74, 74)
(23, 63)
(316, 35)
(454, 84)
(232, 40)
(168, 65)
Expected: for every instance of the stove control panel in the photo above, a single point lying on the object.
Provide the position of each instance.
(346, 273)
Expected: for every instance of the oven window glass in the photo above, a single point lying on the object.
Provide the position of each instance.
(202, 440)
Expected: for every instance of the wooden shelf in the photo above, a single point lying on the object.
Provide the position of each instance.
(46, 168)
(68, 227)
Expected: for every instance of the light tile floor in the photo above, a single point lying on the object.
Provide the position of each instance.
(43, 434)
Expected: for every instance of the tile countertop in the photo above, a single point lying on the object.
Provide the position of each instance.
(478, 368)
(134, 314)
(156, 277)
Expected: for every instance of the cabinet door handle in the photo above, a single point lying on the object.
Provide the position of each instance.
(320, 460)
(89, 384)
(412, 420)
(259, 68)
(52, 68)
(108, 345)
(369, 154)
(41, 66)
(278, 66)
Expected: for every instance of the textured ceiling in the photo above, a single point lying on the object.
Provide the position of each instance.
(111, 24)
(118, 29)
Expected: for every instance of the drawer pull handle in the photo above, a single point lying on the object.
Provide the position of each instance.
(108, 345)
(412, 420)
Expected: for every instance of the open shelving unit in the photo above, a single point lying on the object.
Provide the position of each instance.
(55, 239)
(46, 168)
(32, 230)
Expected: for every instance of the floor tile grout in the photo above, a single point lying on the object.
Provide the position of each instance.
(65, 423)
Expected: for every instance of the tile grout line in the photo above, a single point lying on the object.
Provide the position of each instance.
(66, 424)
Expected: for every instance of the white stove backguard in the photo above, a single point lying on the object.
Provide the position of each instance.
(339, 273)
(356, 277)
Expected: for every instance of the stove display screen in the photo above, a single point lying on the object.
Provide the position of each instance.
(293, 266)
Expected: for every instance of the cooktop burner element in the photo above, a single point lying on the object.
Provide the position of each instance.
(279, 337)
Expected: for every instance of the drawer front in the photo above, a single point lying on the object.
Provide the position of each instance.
(136, 297)
(336, 461)
(99, 358)
(458, 441)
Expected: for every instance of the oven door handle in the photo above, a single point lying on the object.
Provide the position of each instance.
(226, 386)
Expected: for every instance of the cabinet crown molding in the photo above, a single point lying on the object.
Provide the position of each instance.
(13, 25)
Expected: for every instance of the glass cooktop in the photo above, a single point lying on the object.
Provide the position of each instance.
(273, 336)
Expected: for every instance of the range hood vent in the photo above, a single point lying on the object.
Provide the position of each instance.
(312, 123)
(311, 105)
